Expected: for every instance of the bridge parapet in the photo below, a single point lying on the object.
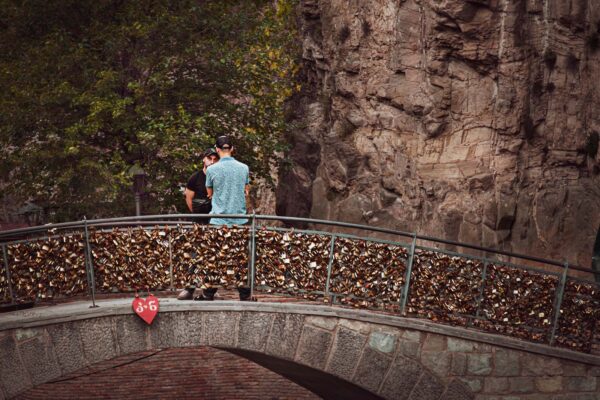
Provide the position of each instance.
(407, 278)
(390, 356)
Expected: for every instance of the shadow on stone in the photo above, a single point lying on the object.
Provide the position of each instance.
(325, 385)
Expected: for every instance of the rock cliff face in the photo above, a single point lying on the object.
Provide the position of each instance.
(475, 121)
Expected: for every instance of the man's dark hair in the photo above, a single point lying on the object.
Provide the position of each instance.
(224, 143)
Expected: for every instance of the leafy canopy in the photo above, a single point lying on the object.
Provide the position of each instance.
(90, 88)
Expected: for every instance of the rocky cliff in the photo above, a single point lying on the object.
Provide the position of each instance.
(475, 121)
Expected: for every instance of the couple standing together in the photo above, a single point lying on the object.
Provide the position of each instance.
(220, 187)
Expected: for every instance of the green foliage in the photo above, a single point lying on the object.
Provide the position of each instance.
(88, 89)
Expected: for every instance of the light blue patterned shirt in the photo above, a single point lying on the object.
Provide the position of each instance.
(228, 179)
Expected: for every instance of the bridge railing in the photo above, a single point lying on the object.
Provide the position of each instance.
(545, 305)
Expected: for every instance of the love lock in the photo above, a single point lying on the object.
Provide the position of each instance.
(146, 308)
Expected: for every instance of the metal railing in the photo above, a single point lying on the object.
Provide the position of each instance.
(407, 278)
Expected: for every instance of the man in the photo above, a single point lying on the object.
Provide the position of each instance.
(227, 184)
(197, 201)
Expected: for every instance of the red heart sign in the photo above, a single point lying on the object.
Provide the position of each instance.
(146, 308)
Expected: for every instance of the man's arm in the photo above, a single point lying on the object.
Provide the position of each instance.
(247, 193)
(209, 182)
(247, 189)
(189, 195)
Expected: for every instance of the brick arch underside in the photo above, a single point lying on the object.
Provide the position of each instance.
(405, 379)
(194, 373)
(323, 384)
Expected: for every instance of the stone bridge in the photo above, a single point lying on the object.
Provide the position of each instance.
(336, 352)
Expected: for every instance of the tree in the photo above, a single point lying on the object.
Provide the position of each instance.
(88, 89)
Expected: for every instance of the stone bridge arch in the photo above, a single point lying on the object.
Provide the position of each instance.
(391, 357)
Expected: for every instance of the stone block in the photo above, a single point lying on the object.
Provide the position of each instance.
(68, 346)
(284, 336)
(322, 322)
(460, 345)
(313, 347)
(401, 378)
(434, 342)
(412, 335)
(253, 330)
(98, 339)
(535, 396)
(533, 365)
(219, 328)
(576, 396)
(358, 326)
(26, 333)
(168, 330)
(456, 390)
(549, 385)
(495, 385)
(371, 369)
(383, 342)
(458, 366)
(574, 369)
(195, 329)
(503, 398)
(428, 388)
(131, 334)
(182, 329)
(580, 383)
(347, 347)
(474, 384)
(409, 348)
(39, 358)
(521, 384)
(482, 348)
(436, 362)
(13, 374)
(479, 364)
(507, 363)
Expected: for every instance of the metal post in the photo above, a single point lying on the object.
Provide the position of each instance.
(558, 301)
(252, 254)
(406, 287)
(90, 269)
(330, 264)
(170, 261)
(6, 266)
(481, 289)
(596, 258)
(138, 206)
